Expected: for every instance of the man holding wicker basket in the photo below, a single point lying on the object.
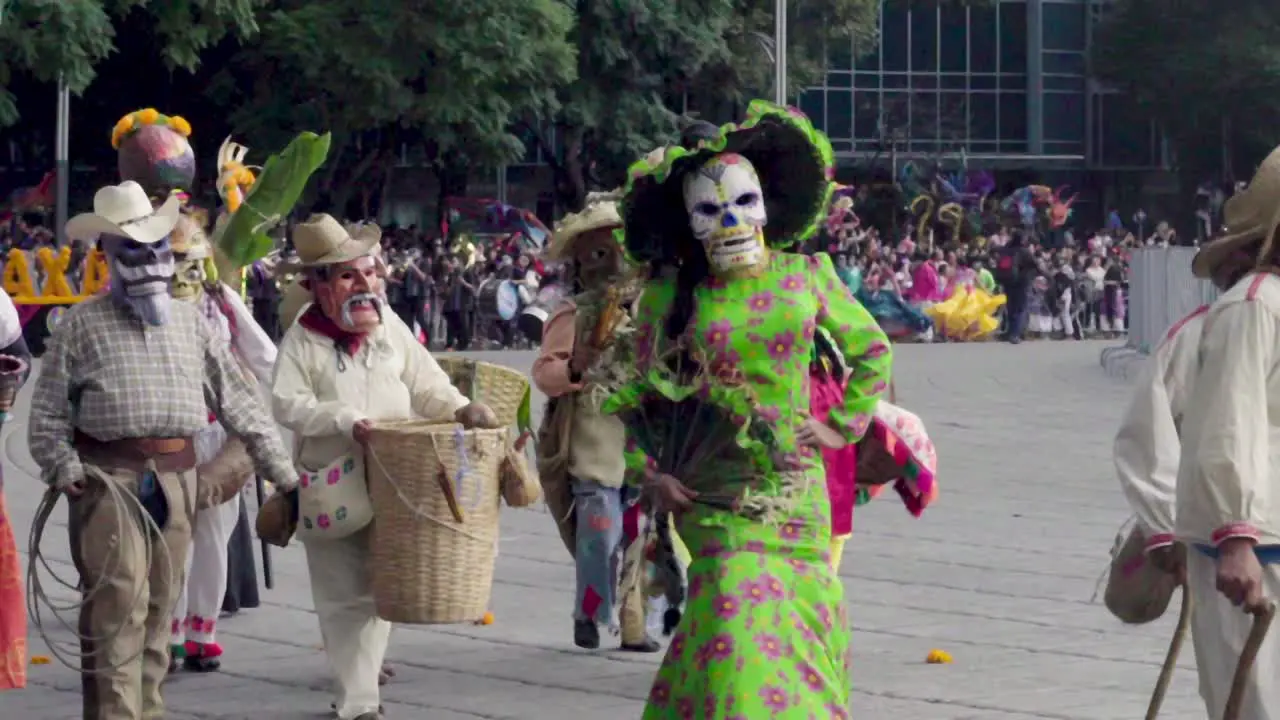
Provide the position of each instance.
(341, 368)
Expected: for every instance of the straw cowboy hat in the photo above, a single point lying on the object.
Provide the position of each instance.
(601, 212)
(1250, 215)
(321, 240)
(126, 211)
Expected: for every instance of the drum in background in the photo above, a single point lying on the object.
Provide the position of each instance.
(498, 299)
(535, 316)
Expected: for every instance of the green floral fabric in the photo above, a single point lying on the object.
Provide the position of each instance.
(764, 634)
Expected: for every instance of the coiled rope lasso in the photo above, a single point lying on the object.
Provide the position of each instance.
(127, 508)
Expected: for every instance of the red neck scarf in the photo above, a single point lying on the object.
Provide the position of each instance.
(316, 321)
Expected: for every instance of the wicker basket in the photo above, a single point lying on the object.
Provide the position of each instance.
(501, 388)
(435, 500)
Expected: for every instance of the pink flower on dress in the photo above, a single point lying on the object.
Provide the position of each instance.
(769, 645)
(678, 644)
(812, 677)
(824, 615)
(774, 587)
(753, 546)
(727, 607)
(684, 708)
(775, 698)
(719, 647)
(769, 413)
(716, 335)
(753, 592)
(660, 693)
(792, 529)
(761, 301)
(792, 283)
(712, 549)
(782, 347)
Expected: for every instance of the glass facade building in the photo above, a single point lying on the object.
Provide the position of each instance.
(1004, 83)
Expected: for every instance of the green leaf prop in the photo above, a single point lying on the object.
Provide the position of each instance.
(524, 415)
(243, 239)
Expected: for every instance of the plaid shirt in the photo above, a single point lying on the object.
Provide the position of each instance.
(108, 375)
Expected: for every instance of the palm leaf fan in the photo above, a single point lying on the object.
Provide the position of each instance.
(699, 427)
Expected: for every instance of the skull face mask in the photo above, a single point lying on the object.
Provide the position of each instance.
(140, 275)
(726, 212)
(191, 261)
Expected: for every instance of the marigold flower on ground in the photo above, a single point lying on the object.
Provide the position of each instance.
(39, 660)
(486, 619)
(938, 657)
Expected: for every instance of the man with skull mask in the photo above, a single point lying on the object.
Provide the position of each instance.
(341, 368)
(580, 455)
(739, 316)
(128, 381)
(223, 464)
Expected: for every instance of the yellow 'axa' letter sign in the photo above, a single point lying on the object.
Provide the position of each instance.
(57, 288)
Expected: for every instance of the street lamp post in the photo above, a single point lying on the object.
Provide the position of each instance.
(780, 52)
(61, 157)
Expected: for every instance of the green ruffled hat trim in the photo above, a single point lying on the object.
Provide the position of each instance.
(796, 166)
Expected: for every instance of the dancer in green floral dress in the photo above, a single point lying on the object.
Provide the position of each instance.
(764, 633)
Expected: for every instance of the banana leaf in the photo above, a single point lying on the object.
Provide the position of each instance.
(243, 239)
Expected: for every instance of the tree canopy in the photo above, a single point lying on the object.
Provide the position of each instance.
(69, 38)
(445, 77)
(457, 85)
(1195, 65)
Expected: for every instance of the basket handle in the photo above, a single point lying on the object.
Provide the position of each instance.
(404, 499)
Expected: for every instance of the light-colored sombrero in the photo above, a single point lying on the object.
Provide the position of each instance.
(125, 210)
(322, 240)
(1250, 215)
(601, 212)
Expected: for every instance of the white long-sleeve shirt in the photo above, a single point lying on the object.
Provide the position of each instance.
(1147, 447)
(1230, 461)
(252, 346)
(320, 394)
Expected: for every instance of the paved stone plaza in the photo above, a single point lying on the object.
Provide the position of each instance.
(999, 573)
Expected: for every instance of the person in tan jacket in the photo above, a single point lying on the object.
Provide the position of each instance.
(603, 516)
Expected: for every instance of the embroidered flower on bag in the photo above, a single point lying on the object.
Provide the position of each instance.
(306, 523)
(323, 521)
(340, 514)
(348, 466)
(334, 476)
(304, 480)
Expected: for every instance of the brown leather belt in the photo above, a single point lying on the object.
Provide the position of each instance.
(168, 454)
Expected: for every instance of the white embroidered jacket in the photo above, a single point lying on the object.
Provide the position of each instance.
(1230, 461)
(320, 394)
(1147, 446)
(253, 347)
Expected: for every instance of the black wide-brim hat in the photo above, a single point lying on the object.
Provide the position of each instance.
(792, 158)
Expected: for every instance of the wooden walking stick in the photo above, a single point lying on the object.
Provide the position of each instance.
(1261, 623)
(1171, 657)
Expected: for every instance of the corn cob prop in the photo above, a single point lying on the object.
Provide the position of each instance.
(255, 205)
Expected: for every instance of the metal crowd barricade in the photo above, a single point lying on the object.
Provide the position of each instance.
(1162, 291)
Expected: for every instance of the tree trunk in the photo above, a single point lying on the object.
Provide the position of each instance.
(574, 195)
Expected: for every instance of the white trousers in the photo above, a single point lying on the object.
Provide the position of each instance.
(355, 639)
(195, 618)
(1218, 631)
